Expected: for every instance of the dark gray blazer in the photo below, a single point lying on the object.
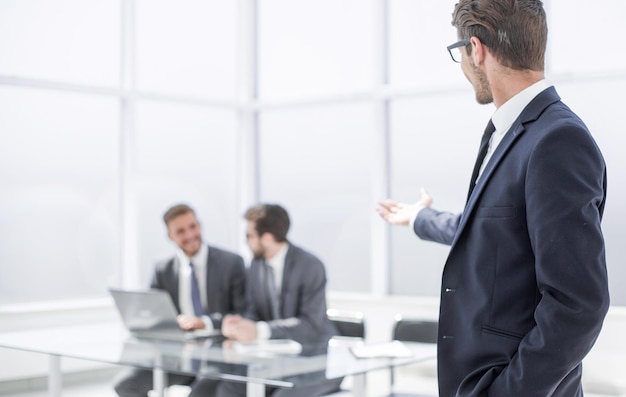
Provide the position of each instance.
(524, 289)
(302, 303)
(225, 280)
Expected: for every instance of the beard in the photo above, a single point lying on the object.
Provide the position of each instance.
(258, 254)
(482, 88)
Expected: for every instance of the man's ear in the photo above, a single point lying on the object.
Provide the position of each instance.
(267, 238)
(478, 51)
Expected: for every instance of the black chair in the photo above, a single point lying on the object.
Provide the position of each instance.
(349, 324)
(412, 330)
(351, 329)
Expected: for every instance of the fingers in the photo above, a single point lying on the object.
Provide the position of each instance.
(425, 198)
(189, 322)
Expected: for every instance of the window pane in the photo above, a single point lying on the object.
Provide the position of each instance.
(315, 47)
(185, 154)
(316, 162)
(430, 149)
(187, 47)
(419, 33)
(597, 46)
(59, 207)
(75, 41)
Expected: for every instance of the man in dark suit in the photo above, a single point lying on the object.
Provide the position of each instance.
(285, 296)
(205, 283)
(524, 289)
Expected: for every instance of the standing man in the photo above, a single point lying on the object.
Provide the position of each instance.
(285, 296)
(205, 284)
(524, 289)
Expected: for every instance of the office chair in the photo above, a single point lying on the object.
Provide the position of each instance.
(351, 329)
(412, 330)
(349, 324)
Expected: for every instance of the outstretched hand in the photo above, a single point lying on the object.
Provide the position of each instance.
(401, 213)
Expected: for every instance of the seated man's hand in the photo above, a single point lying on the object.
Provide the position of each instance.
(189, 323)
(239, 328)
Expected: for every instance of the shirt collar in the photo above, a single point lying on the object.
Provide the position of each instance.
(506, 114)
(278, 260)
(199, 260)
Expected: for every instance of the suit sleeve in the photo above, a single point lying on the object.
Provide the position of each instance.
(237, 285)
(310, 324)
(437, 226)
(229, 298)
(565, 193)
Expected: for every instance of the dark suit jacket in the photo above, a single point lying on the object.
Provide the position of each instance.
(225, 280)
(524, 289)
(302, 303)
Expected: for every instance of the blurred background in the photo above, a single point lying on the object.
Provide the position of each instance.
(111, 111)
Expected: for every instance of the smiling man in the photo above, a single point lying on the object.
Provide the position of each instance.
(205, 283)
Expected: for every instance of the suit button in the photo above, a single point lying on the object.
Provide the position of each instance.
(448, 337)
(450, 290)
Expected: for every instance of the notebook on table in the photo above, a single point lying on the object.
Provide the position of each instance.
(151, 314)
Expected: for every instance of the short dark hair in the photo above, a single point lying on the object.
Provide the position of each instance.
(175, 212)
(269, 218)
(515, 31)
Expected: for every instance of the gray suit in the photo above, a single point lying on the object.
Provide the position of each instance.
(302, 309)
(225, 281)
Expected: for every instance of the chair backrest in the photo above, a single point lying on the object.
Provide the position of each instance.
(412, 330)
(348, 323)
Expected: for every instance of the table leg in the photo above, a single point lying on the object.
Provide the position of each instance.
(55, 381)
(358, 385)
(255, 389)
(158, 381)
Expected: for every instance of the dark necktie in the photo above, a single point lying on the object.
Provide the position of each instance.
(482, 152)
(271, 290)
(195, 293)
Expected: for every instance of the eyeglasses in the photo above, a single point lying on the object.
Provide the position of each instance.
(455, 50)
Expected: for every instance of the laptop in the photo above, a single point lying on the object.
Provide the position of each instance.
(151, 314)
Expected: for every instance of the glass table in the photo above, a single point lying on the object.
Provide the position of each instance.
(211, 358)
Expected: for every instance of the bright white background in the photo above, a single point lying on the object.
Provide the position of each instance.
(112, 111)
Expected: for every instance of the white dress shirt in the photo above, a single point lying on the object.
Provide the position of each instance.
(199, 261)
(277, 262)
(503, 118)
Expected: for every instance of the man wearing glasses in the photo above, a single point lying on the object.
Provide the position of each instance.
(524, 289)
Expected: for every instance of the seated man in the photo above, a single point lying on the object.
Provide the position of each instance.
(205, 284)
(285, 296)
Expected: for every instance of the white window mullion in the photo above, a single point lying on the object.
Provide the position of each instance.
(130, 270)
(248, 157)
(379, 247)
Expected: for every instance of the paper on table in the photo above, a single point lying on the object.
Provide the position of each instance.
(281, 346)
(394, 349)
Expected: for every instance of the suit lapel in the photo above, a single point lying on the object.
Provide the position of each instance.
(532, 111)
(263, 301)
(175, 276)
(209, 278)
(287, 268)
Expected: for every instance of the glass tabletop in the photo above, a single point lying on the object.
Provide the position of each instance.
(211, 357)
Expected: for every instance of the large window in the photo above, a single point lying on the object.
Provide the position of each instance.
(113, 111)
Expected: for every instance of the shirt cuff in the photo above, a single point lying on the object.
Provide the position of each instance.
(263, 331)
(415, 211)
(208, 323)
